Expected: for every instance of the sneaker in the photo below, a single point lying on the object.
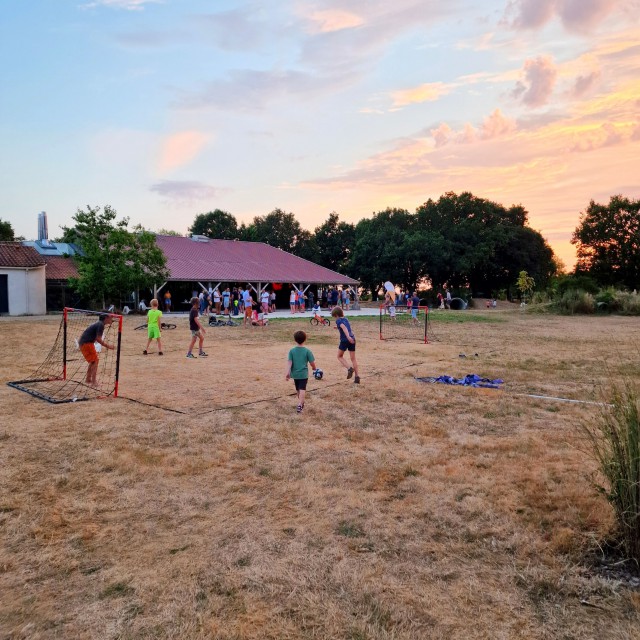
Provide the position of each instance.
(299, 409)
(356, 380)
(190, 355)
(144, 353)
(349, 373)
(202, 354)
(160, 353)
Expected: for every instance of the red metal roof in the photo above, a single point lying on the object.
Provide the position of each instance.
(61, 268)
(235, 261)
(17, 256)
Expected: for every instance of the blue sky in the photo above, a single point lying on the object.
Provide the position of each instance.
(169, 108)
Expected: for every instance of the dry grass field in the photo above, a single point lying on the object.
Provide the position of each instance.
(199, 505)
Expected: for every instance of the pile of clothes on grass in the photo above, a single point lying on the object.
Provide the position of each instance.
(470, 380)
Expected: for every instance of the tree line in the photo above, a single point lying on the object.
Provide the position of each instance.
(459, 241)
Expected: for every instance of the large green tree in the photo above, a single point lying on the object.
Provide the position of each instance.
(470, 241)
(114, 261)
(334, 242)
(216, 224)
(281, 230)
(6, 231)
(385, 249)
(608, 242)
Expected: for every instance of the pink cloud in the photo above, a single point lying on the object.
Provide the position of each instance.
(583, 15)
(496, 125)
(442, 134)
(181, 148)
(575, 15)
(540, 76)
(468, 134)
(607, 135)
(530, 14)
(584, 84)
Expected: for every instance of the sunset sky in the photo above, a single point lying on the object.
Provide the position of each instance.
(169, 108)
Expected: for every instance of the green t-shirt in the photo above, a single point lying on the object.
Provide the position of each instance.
(300, 358)
(153, 317)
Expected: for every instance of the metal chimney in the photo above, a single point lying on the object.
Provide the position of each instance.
(43, 232)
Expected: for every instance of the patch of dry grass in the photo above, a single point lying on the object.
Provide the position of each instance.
(199, 505)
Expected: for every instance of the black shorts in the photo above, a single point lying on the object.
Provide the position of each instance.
(301, 384)
(345, 345)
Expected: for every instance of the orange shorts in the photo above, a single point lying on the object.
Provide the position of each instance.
(89, 352)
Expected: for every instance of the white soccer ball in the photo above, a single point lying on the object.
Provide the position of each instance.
(98, 346)
(317, 374)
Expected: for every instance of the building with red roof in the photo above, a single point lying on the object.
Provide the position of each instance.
(198, 262)
(22, 280)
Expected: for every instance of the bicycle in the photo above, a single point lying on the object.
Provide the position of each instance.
(316, 320)
(163, 325)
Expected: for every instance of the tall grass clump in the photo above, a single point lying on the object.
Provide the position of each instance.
(614, 438)
(575, 301)
(628, 303)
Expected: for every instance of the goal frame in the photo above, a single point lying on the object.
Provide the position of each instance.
(21, 384)
(400, 310)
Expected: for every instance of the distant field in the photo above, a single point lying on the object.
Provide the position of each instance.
(199, 505)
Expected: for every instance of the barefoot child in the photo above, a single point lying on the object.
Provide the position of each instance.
(91, 335)
(154, 317)
(347, 343)
(297, 368)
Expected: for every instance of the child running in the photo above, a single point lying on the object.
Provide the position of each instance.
(297, 368)
(154, 316)
(197, 330)
(91, 335)
(347, 343)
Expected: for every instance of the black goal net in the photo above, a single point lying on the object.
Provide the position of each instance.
(66, 374)
(404, 323)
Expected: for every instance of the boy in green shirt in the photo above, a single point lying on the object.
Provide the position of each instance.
(153, 326)
(297, 368)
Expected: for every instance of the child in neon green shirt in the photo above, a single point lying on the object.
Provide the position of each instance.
(154, 316)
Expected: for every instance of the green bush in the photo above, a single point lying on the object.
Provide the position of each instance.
(540, 297)
(575, 301)
(578, 282)
(627, 303)
(614, 439)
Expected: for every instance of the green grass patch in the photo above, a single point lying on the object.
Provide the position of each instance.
(349, 529)
(117, 590)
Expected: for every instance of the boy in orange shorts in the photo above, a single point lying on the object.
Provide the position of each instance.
(91, 335)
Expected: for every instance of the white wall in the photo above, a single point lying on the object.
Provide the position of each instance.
(27, 291)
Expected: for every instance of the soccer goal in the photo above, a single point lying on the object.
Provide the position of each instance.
(398, 323)
(62, 375)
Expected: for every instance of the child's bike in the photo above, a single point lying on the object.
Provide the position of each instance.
(316, 320)
(164, 325)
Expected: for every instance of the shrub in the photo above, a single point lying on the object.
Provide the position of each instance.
(606, 300)
(614, 439)
(578, 282)
(575, 301)
(540, 297)
(627, 303)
